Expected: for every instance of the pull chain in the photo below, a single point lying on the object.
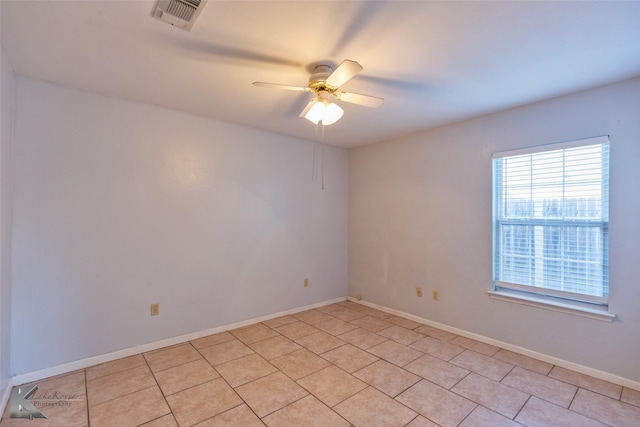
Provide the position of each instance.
(320, 136)
(313, 166)
(323, 166)
(322, 156)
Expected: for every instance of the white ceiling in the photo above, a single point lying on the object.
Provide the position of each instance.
(433, 62)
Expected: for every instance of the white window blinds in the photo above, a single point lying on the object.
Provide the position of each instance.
(551, 220)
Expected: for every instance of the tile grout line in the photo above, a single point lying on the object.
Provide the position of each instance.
(86, 393)
(288, 404)
(309, 393)
(394, 399)
(507, 374)
(619, 399)
(256, 379)
(226, 382)
(351, 374)
(469, 414)
(400, 367)
(159, 388)
(575, 394)
(114, 373)
(520, 410)
(414, 418)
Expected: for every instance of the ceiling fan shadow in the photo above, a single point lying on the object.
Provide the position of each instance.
(362, 17)
(399, 84)
(208, 50)
(297, 105)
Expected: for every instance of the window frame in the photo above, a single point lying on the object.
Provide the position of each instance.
(542, 296)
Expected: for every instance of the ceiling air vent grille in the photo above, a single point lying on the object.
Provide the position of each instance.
(179, 13)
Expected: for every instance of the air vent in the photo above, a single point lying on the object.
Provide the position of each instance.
(179, 13)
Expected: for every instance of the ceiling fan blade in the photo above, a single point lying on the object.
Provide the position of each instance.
(356, 98)
(308, 107)
(345, 72)
(285, 87)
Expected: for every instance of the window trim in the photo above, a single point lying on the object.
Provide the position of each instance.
(581, 298)
(575, 303)
(553, 146)
(548, 302)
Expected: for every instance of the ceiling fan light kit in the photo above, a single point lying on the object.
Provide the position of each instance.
(325, 83)
(321, 110)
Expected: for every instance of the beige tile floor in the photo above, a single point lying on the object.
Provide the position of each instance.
(339, 365)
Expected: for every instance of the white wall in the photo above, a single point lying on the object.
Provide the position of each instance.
(420, 215)
(119, 205)
(7, 89)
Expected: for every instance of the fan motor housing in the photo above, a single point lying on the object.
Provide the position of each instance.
(317, 80)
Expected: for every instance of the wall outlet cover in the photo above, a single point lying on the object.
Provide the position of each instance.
(155, 309)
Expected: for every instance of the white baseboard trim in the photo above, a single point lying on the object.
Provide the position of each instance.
(5, 396)
(119, 354)
(606, 376)
(108, 357)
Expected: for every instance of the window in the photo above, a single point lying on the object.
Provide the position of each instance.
(550, 227)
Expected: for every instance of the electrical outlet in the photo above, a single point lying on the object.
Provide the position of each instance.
(419, 292)
(306, 282)
(155, 309)
(435, 295)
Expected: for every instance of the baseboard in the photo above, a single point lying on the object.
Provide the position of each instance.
(108, 357)
(606, 376)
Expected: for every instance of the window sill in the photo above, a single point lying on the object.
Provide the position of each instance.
(554, 304)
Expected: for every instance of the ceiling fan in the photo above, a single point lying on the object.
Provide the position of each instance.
(325, 82)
